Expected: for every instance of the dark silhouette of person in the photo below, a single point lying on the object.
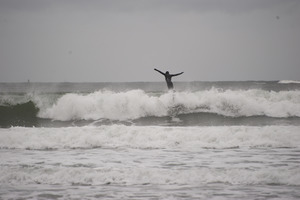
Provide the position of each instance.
(168, 78)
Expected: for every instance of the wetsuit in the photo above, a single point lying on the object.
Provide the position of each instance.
(168, 78)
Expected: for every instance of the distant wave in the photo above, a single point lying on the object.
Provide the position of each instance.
(288, 81)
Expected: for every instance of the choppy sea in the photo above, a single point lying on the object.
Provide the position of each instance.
(204, 140)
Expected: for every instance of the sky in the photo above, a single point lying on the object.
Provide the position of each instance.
(124, 40)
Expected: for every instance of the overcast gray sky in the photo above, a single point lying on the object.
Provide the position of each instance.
(123, 40)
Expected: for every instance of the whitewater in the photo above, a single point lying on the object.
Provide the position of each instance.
(206, 140)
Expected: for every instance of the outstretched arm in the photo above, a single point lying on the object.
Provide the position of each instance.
(177, 74)
(159, 71)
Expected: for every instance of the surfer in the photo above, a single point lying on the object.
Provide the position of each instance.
(168, 78)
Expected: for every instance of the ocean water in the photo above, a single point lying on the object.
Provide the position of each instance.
(205, 140)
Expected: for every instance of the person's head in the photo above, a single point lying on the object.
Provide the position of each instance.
(167, 72)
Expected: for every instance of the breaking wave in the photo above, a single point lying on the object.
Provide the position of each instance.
(136, 104)
(288, 82)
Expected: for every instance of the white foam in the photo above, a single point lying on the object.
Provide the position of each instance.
(113, 153)
(136, 103)
(119, 136)
(62, 175)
